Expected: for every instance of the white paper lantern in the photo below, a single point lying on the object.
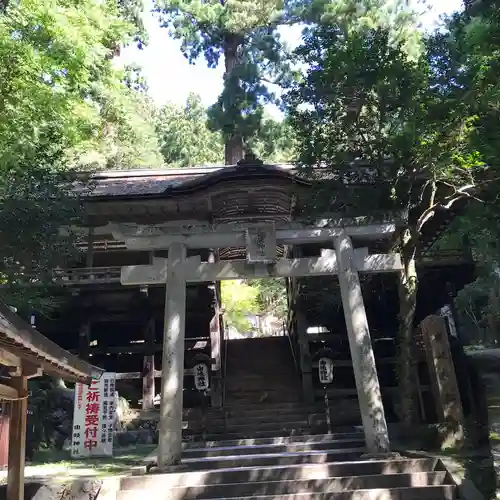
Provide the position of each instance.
(201, 378)
(325, 368)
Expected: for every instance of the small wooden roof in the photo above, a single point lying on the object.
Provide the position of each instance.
(20, 341)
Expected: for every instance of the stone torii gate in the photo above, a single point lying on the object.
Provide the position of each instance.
(260, 241)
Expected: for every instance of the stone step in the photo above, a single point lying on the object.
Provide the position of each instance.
(254, 424)
(252, 420)
(271, 448)
(299, 487)
(242, 409)
(444, 492)
(261, 386)
(261, 397)
(274, 459)
(272, 407)
(267, 426)
(263, 416)
(315, 438)
(304, 472)
(259, 434)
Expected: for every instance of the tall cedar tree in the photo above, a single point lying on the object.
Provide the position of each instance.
(245, 34)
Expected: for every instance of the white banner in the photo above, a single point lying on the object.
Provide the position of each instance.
(94, 418)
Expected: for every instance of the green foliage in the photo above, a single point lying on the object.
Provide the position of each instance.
(63, 106)
(367, 101)
(185, 139)
(128, 136)
(275, 142)
(239, 300)
(271, 297)
(253, 297)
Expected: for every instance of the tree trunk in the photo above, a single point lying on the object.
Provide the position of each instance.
(407, 306)
(233, 150)
(233, 147)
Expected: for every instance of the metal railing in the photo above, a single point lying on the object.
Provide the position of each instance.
(286, 331)
(224, 366)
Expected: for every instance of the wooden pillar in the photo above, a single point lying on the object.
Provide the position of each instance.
(89, 260)
(172, 380)
(148, 379)
(148, 365)
(301, 325)
(84, 339)
(215, 342)
(363, 359)
(17, 440)
(304, 356)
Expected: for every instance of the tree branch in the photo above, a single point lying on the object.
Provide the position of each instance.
(447, 203)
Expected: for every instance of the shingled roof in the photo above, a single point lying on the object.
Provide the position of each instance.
(150, 183)
(24, 341)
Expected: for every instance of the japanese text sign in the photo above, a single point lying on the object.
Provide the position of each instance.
(94, 418)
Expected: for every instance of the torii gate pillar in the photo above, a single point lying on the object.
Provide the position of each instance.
(363, 359)
(172, 379)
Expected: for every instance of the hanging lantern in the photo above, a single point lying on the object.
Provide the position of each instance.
(201, 378)
(325, 368)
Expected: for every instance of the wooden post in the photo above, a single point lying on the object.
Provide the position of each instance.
(215, 343)
(172, 380)
(17, 440)
(148, 379)
(84, 340)
(304, 356)
(148, 365)
(363, 359)
(89, 260)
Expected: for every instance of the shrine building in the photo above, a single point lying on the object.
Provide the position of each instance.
(143, 300)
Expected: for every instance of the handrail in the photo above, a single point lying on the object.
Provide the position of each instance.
(294, 355)
(224, 367)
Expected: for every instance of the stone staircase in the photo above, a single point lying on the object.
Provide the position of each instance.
(265, 444)
(292, 468)
(261, 370)
(262, 396)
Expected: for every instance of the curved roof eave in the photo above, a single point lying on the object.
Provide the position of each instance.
(200, 182)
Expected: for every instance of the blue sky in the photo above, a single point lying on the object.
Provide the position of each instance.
(171, 78)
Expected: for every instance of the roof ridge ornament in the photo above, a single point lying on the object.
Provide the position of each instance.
(250, 160)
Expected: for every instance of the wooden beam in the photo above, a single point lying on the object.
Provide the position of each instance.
(156, 238)
(8, 392)
(329, 219)
(7, 358)
(157, 374)
(196, 271)
(17, 440)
